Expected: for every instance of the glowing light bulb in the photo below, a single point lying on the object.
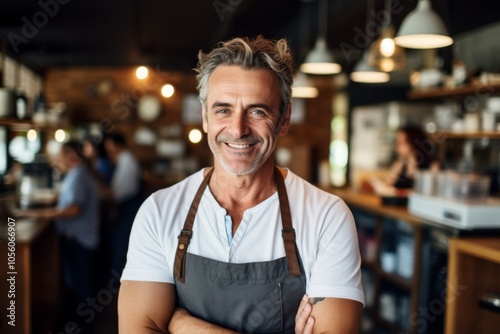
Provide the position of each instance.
(387, 47)
(31, 135)
(60, 135)
(141, 72)
(167, 90)
(195, 136)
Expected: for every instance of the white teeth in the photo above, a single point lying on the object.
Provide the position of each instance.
(238, 146)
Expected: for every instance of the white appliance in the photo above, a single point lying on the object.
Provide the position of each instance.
(467, 216)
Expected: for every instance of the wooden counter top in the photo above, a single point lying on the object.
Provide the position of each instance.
(373, 203)
(27, 230)
(487, 248)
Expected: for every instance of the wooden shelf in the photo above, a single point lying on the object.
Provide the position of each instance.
(441, 92)
(443, 135)
(395, 279)
(399, 281)
(24, 125)
(14, 122)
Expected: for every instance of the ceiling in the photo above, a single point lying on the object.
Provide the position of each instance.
(168, 33)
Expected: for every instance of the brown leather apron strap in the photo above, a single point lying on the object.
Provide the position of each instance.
(288, 231)
(187, 231)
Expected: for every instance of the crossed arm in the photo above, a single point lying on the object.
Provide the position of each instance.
(149, 307)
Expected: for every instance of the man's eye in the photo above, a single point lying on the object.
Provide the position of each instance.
(258, 112)
(222, 111)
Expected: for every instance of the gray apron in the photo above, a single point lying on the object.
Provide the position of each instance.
(260, 297)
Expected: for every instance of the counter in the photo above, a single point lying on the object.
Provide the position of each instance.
(32, 283)
(384, 223)
(467, 258)
(373, 203)
(432, 245)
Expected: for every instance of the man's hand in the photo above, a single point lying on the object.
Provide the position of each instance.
(304, 322)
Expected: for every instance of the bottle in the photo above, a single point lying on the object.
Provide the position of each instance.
(21, 105)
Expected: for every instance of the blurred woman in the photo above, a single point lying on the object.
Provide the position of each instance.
(415, 151)
(94, 151)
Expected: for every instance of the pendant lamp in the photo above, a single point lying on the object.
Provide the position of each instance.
(423, 29)
(302, 87)
(366, 73)
(320, 60)
(363, 71)
(385, 54)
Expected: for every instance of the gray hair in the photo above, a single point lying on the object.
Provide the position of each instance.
(256, 53)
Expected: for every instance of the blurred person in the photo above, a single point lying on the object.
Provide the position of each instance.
(243, 246)
(77, 222)
(126, 192)
(93, 150)
(414, 152)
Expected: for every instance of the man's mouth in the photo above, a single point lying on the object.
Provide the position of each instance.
(239, 146)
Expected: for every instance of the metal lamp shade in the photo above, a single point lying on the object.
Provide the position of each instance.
(364, 72)
(302, 87)
(423, 29)
(320, 60)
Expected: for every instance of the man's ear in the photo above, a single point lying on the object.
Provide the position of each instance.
(285, 121)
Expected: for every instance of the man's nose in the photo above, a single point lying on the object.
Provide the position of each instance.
(239, 125)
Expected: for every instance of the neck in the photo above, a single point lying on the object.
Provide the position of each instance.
(239, 193)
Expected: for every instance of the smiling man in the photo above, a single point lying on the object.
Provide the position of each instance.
(244, 246)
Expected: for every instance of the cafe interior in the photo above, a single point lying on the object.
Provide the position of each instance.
(366, 73)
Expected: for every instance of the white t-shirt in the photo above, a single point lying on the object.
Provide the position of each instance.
(325, 235)
(126, 177)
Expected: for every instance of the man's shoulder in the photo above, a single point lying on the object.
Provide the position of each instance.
(298, 186)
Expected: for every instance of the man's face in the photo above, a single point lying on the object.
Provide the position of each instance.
(67, 159)
(242, 118)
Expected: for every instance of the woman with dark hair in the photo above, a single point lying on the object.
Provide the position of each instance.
(415, 151)
(93, 150)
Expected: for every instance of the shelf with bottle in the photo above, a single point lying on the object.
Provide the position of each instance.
(442, 134)
(27, 124)
(15, 122)
(476, 88)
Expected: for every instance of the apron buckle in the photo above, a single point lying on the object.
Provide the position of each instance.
(286, 231)
(186, 233)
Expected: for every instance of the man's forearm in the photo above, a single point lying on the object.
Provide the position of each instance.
(184, 323)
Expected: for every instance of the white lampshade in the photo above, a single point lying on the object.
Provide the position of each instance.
(302, 87)
(364, 72)
(320, 60)
(423, 29)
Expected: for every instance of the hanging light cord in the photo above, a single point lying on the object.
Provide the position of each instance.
(388, 17)
(322, 19)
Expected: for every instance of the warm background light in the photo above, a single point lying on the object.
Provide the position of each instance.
(142, 72)
(387, 47)
(167, 90)
(31, 135)
(60, 135)
(195, 136)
